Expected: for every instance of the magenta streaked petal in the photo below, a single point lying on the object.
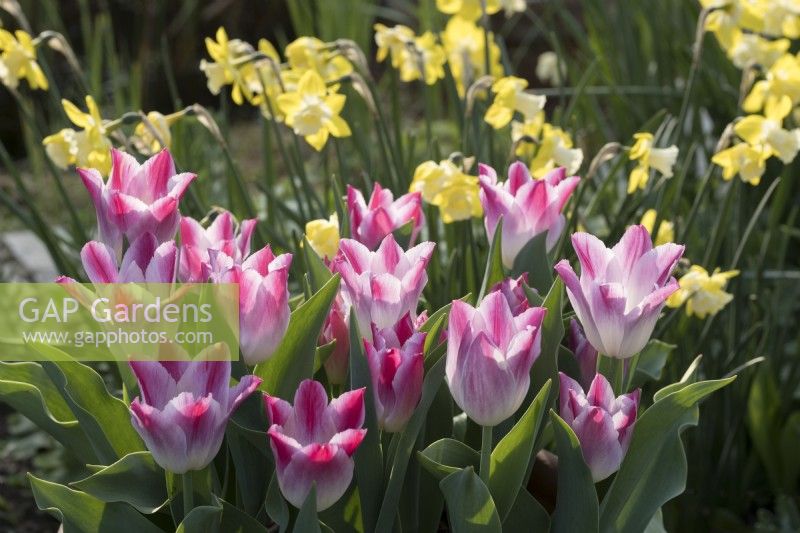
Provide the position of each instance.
(347, 410)
(349, 439)
(99, 263)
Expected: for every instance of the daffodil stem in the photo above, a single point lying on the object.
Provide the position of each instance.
(188, 493)
(486, 453)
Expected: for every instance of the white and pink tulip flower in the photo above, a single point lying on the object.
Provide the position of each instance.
(263, 300)
(137, 199)
(183, 409)
(384, 285)
(145, 261)
(489, 357)
(397, 368)
(603, 424)
(371, 222)
(585, 353)
(527, 206)
(221, 236)
(313, 442)
(621, 290)
(336, 328)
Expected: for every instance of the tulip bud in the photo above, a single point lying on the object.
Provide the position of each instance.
(602, 423)
(489, 357)
(137, 199)
(621, 290)
(384, 285)
(263, 302)
(184, 408)
(313, 442)
(584, 352)
(528, 206)
(337, 329)
(370, 223)
(397, 367)
(144, 261)
(514, 293)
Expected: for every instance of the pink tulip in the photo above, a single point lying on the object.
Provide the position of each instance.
(528, 207)
(489, 357)
(382, 286)
(144, 261)
(184, 408)
(585, 353)
(370, 223)
(397, 367)
(221, 236)
(137, 199)
(602, 423)
(514, 293)
(621, 291)
(263, 300)
(336, 328)
(313, 442)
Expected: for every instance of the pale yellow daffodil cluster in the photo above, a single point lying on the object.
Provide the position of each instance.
(415, 57)
(647, 156)
(301, 92)
(18, 61)
(666, 230)
(447, 186)
(544, 146)
(87, 147)
(758, 34)
(702, 293)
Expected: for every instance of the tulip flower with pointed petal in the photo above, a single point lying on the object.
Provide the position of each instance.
(144, 261)
(370, 223)
(336, 329)
(222, 236)
(313, 442)
(184, 408)
(603, 424)
(384, 285)
(584, 352)
(489, 357)
(528, 207)
(621, 290)
(397, 367)
(514, 293)
(263, 301)
(137, 198)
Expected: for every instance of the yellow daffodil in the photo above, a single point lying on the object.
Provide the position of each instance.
(18, 61)
(767, 131)
(323, 236)
(782, 79)
(309, 53)
(524, 135)
(464, 43)
(393, 42)
(703, 294)
(780, 17)
(230, 67)
(468, 9)
(749, 49)
(666, 230)
(727, 18)
(146, 135)
(555, 150)
(87, 148)
(513, 6)
(312, 111)
(424, 59)
(549, 69)
(510, 97)
(661, 159)
(446, 186)
(269, 82)
(744, 160)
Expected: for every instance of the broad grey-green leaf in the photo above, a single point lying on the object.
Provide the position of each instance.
(446, 456)
(135, 479)
(470, 507)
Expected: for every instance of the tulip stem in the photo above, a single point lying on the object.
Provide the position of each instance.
(188, 493)
(486, 453)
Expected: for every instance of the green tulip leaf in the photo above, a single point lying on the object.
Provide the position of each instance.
(470, 507)
(650, 363)
(446, 456)
(293, 361)
(532, 259)
(307, 521)
(576, 504)
(276, 506)
(527, 514)
(135, 479)
(654, 469)
(494, 273)
(318, 273)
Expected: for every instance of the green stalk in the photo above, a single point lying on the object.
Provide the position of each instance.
(486, 453)
(188, 493)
